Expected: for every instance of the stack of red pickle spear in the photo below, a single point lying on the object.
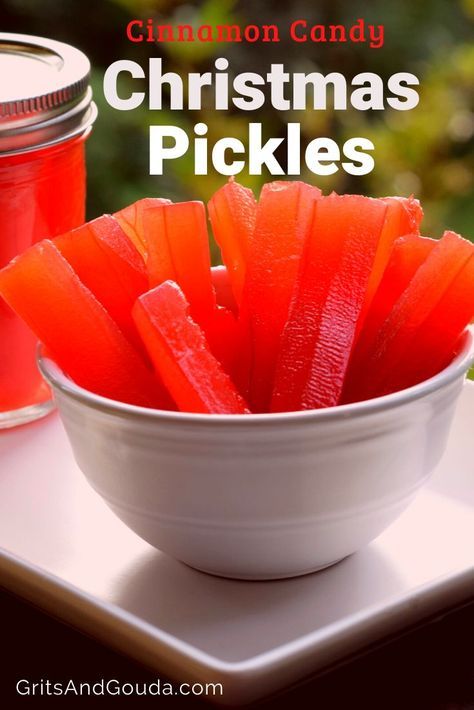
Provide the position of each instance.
(323, 300)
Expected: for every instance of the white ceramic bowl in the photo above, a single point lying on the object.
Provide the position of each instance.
(261, 496)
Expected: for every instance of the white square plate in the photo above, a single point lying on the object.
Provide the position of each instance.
(64, 550)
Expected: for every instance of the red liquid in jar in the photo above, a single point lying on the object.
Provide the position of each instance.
(42, 194)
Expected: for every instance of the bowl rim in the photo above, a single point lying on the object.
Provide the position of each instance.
(459, 366)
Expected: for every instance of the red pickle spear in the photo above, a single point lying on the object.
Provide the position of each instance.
(284, 215)
(408, 254)
(320, 331)
(435, 343)
(411, 318)
(178, 250)
(42, 288)
(130, 219)
(403, 217)
(232, 211)
(109, 265)
(179, 351)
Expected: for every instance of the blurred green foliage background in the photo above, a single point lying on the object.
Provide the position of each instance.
(428, 151)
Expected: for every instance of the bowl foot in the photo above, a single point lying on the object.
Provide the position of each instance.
(265, 577)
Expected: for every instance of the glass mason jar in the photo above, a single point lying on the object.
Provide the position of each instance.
(46, 114)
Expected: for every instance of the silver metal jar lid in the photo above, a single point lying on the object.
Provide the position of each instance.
(45, 97)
